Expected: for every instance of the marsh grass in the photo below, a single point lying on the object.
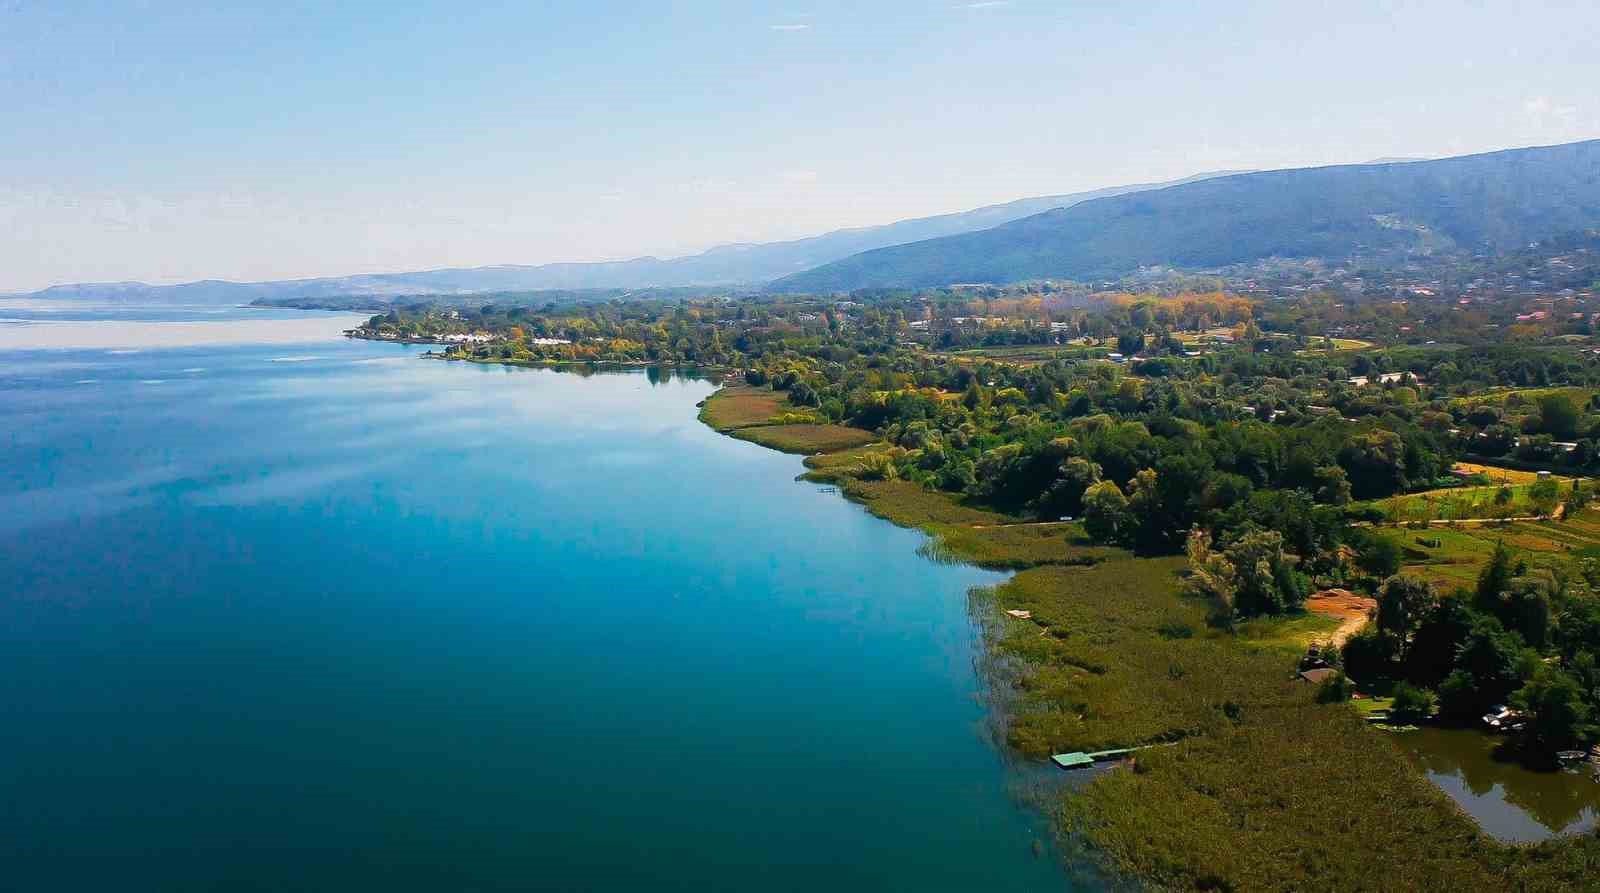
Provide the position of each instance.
(1115, 657)
(963, 533)
(1263, 789)
(805, 438)
(740, 406)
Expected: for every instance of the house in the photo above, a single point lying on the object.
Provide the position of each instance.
(1385, 378)
(1317, 675)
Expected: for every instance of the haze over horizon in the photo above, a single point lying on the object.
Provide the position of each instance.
(181, 143)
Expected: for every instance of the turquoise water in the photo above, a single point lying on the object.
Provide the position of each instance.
(325, 616)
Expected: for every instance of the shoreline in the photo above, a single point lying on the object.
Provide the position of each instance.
(1106, 652)
(1093, 636)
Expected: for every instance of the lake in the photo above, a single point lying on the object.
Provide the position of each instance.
(286, 611)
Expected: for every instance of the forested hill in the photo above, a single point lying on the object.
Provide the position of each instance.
(1498, 201)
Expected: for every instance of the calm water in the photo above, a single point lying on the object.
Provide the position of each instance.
(1511, 803)
(324, 616)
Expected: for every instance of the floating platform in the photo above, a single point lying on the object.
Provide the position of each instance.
(1081, 760)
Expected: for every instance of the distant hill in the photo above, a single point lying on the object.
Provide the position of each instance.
(727, 265)
(1494, 201)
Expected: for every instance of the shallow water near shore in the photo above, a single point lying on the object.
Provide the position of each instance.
(328, 616)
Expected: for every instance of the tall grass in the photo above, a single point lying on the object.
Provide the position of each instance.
(805, 438)
(737, 407)
(1264, 789)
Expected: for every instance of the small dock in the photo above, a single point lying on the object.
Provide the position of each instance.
(1081, 760)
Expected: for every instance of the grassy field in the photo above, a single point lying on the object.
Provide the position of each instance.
(1458, 503)
(1338, 344)
(1498, 475)
(1349, 344)
(1530, 396)
(1453, 556)
(1028, 354)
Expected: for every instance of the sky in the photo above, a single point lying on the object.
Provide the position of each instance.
(168, 142)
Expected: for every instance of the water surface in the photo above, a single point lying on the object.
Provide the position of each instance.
(1511, 803)
(327, 616)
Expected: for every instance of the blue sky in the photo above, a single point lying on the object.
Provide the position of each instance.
(168, 141)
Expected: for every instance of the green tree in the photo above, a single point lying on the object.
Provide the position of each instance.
(1403, 602)
(1558, 714)
(1333, 486)
(1379, 556)
(1105, 513)
(1368, 655)
(1488, 670)
(1495, 577)
(1558, 415)
(1410, 703)
(1267, 580)
(1545, 493)
(1211, 576)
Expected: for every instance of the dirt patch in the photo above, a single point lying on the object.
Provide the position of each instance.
(1351, 609)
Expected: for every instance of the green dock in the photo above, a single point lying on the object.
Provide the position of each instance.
(1080, 760)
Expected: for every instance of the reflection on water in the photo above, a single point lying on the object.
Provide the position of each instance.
(375, 622)
(121, 336)
(1510, 802)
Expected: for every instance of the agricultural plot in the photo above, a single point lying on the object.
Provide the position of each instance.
(1453, 557)
(1463, 503)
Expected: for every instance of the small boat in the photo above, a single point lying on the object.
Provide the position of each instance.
(1570, 756)
(1501, 718)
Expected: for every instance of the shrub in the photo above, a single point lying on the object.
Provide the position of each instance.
(1411, 703)
(1335, 689)
(1366, 512)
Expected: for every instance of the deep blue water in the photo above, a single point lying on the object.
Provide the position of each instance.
(330, 617)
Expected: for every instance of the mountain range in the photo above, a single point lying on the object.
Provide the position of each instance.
(749, 265)
(1390, 209)
(1490, 202)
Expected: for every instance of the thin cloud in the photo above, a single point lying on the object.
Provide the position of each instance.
(984, 4)
(1542, 109)
(793, 27)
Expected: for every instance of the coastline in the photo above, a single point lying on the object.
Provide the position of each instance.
(1110, 654)
(1273, 791)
